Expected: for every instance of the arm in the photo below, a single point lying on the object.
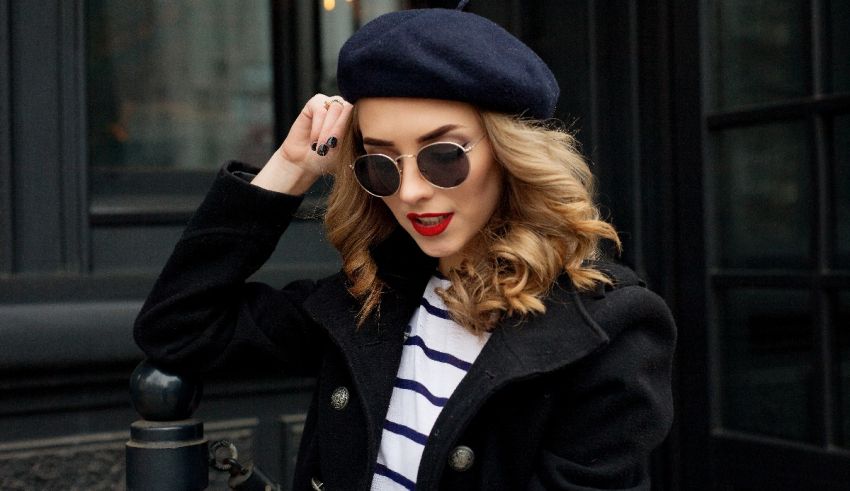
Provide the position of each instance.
(201, 312)
(618, 405)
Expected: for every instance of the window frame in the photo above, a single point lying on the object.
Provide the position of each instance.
(135, 209)
(733, 450)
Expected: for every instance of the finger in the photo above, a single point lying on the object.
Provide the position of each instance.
(296, 145)
(320, 113)
(327, 139)
(338, 129)
(302, 127)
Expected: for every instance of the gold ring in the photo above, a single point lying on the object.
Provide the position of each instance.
(328, 103)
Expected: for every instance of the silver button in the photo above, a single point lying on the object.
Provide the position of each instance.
(461, 458)
(339, 398)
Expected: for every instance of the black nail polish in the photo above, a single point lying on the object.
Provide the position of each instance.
(322, 150)
(332, 141)
(313, 146)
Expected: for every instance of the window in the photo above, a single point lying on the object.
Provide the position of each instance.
(176, 88)
(778, 159)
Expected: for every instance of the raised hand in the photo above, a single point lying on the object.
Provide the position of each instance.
(309, 149)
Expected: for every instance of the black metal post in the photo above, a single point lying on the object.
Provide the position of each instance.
(167, 450)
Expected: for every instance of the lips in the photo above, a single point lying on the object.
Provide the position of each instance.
(430, 224)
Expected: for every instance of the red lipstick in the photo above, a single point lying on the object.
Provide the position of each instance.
(429, 224)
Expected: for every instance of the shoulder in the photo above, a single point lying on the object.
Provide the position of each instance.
(620, 274)
(626, 303)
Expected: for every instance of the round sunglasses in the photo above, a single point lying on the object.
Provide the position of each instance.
(444, 165)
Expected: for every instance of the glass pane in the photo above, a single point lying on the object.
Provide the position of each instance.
(841, 139)
(178, 84)
(766, 367)
(762, 51)
(840, 33)
(842, 325)
(763, 196)
(338, 20)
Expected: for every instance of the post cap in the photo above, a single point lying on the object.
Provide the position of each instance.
(161, 395)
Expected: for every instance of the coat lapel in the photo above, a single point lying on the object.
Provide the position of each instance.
(543, 343)
(373, 351)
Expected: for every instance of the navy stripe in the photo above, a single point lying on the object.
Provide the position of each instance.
(395, 476)
(406, 432)
(439, 275)
(438, 355)
(415, 386)
(435, 310)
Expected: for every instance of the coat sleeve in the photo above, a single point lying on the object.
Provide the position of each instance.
(618, 405)
(202, 313)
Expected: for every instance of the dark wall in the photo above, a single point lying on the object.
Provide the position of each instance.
(73, 275)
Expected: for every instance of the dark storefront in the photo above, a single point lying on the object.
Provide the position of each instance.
(719, 131)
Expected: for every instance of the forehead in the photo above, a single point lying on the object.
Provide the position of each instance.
(399, 117)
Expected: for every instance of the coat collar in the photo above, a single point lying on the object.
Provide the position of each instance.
(402, 265)
(516, 350)
(540, 343)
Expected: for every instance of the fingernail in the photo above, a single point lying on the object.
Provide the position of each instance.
(332, 142)
(313, 146)
(322, 150)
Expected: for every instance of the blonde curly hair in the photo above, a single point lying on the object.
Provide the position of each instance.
(546, 224)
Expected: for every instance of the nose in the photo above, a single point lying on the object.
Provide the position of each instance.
(414, 187)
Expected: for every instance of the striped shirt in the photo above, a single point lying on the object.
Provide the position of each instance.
(437, 354)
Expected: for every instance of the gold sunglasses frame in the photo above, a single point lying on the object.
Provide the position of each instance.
(466, 149)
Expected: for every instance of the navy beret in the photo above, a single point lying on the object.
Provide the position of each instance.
(446, 54)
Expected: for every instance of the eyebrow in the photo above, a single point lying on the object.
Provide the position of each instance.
(442, 130)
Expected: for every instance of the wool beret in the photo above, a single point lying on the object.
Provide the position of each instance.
(446, 54)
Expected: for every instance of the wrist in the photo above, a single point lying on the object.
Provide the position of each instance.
(282, 176)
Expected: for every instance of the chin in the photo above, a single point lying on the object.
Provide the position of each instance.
(436, 253)
(434, 250)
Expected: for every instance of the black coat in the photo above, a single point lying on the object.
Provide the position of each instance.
(574, 399)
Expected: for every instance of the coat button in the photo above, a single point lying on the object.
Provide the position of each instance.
(461, 458)
(339, 398)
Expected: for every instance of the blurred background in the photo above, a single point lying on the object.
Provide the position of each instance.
(719, 131)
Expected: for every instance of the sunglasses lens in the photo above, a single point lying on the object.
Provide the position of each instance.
(377, 174)
(443, 164)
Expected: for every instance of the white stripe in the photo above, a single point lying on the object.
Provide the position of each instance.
(440, 378)
(430, 291)
(410, 409)
(446, 336)
(381, 483)
(400, 454)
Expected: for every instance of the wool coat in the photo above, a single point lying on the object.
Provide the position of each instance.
(573, 399)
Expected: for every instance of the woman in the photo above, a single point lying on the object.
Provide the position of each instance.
(471, 340)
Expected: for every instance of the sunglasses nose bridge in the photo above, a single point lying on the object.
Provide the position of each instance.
(399, 164)
(400, 157)
(413, 185)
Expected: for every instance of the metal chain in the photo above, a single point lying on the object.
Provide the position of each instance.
(223, 455)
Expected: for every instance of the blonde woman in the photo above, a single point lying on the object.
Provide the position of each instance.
(473, 339)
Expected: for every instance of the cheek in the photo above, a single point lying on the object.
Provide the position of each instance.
(493, 197)
(392, 203)
(491, 189)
